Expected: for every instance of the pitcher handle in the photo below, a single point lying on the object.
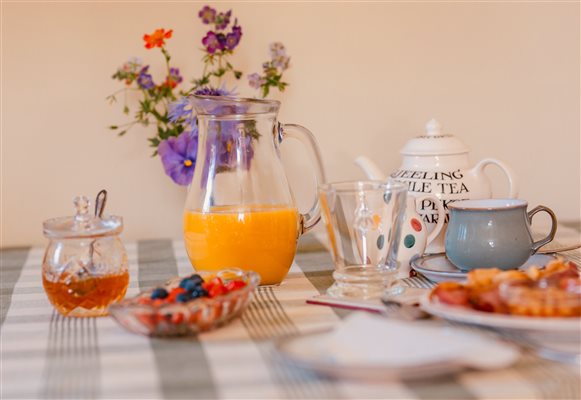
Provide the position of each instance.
(441, 216)
(510, 175)
(303, 135)
(540, 243)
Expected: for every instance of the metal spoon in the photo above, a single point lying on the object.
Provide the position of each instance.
(403, 311)
(100, 202)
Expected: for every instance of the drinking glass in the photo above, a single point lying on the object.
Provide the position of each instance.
(363, 221)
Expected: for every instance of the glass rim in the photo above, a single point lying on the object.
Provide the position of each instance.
(235, 99)
(488, 204)
(355, 186)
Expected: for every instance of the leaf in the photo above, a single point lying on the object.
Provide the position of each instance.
(238, 74)
(126, 110)
(113, 127)
(219, 72)
(122, 133)
(145, 105)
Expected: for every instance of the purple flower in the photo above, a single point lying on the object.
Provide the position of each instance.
(178, 156)
(145, 80)
(230, 145)
(212, 42)
(221, 40)
(174, 78)
(281, 62)
(222, 20)
(207, 14)
(277, 50)
(182, 109)
(210, 91)
(256, 81)
(233, 38)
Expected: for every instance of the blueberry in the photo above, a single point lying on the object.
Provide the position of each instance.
(159, 293)
(191, 286)
(184, 297)
(199, 292)
(196, 278)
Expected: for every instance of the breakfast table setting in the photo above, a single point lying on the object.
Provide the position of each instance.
(423, 282)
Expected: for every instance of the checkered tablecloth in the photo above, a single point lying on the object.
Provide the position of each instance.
(45, 355)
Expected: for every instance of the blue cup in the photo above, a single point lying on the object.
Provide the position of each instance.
(493, 233)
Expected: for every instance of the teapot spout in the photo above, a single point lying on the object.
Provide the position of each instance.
(371, 170)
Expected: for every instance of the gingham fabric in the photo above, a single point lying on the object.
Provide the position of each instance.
(45, 355)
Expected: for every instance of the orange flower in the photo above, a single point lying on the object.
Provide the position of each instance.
(157, 38)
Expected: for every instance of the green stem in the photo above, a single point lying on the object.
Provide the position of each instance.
(219, 69)
(167, 57)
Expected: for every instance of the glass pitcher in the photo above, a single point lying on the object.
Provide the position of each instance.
(240, 211)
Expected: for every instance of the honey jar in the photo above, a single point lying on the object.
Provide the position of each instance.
(85, 266)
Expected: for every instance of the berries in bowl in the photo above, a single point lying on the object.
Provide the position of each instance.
(187, 305)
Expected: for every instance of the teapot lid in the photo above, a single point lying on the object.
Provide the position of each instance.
(434, 143)
(83, 224)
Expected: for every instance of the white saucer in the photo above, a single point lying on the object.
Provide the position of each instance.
(438, 268)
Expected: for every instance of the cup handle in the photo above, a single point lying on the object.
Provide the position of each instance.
(303, 135)
(441, 217)
(540, 243)
(510, 175)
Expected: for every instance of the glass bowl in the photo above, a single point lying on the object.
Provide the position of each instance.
(191, 317)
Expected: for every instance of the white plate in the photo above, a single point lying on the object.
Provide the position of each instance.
(438, 268)
(398, 350)
(557, 333)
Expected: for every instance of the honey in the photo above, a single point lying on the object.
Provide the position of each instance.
(86, 296)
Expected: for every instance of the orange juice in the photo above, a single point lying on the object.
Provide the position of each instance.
(259, 238)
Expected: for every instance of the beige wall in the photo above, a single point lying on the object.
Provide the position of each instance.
(504, 77)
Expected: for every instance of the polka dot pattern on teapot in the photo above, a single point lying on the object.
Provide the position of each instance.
(409, 240)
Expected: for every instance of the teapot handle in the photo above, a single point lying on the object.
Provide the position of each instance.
(303, 135)
(512, 180)
(441, 216)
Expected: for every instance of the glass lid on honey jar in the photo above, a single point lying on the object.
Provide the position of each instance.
(85, 267)
(84, 223)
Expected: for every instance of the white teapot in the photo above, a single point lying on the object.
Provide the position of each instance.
(437, 164)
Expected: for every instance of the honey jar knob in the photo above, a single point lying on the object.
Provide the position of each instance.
(82, 208)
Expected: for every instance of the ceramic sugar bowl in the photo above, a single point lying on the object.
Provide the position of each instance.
(437, 164)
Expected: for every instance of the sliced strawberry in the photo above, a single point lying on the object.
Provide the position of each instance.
(235, 285)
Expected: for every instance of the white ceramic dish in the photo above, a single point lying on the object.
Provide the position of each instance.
(556, 333)
(399, 350)
(438, 268)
